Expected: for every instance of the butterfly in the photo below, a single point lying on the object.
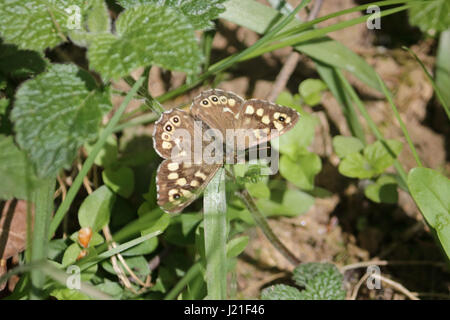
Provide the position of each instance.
(183, 174)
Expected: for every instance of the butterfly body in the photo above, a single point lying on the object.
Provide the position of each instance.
(216, 119)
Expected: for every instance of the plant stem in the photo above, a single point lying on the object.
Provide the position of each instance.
(260, 220)
(193, 271)
(43, 200)
(215, 231)
(65, 205)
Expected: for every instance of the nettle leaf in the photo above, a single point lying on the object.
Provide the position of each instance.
(384, 190)
(54, 114)
(322, 281)
(98, 19)
(430, 15)
(431, 191)
(145, 35)
(38, 24)
(15, 171)
(343, 146)
(95, 210)
(199, 12)
(281, 292)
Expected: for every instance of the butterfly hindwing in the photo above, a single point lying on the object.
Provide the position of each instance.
(180, 183)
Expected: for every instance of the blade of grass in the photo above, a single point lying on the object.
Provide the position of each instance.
(193, 271)
(437, 90)
(400, 121)
(442, 71)
(43, 200)
(65, 205)
(215, 231)
(373, 127)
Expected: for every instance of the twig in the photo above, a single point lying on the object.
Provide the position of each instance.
(358, 286)
(396, 286)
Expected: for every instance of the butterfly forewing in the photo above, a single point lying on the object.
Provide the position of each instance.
(263, 121)
(218, 109)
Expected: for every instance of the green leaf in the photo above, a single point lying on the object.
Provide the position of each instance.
(355, 165)
(120, 180)
(199, 13)
(138, 264)
(236, 246)
(258, 189)
(302, 171)
(98, 19)
(71, 254)
(374, 161)
(379, 158)
(344, 146)
(297, 202)
(322, 281)
(68, 294)
(37, 24)
(281, 292)
(15, 171)
(288, 100)
(146, 247)
(430, 15)
(20, 63)
(155, 219)
(111, 288)
(384, 190)
(145, 35)
(96, 209)
(311, 91)
(54, 114)
(431, 192)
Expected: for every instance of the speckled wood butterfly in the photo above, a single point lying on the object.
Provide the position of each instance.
(185, 172)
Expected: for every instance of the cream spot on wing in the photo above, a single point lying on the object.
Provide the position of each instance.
(231, 102)
(173, 166)
(194, 183)
(200, 175)
(265, 120)
(226, 109)
(172, 192)
(278, 125)
(223, 99)
(247, 120)
(186, 193)
(166, 145)
(165, 136)
(175, 121)
(236, 116)
(172, 176)
(276, 115)
(288, 120)
(212, 98)
(260, 112)
(181, 181)
(249, 109)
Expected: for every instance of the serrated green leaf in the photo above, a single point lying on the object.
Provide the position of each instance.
(322, 281)
(37, 24)
(431, 191)
(120, 180)
(344, 146)
(95, 210)
(281, 292)
(384, 190)
(302, 171)
(145, 35)
(311, 91)
(20, 63)
(15, 171)
(199, 12)
(431, 15)
(98, 19)
(54, 114)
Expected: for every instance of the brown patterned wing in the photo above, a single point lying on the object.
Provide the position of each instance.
(178, 184)
(218, 108)
(263, 121)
